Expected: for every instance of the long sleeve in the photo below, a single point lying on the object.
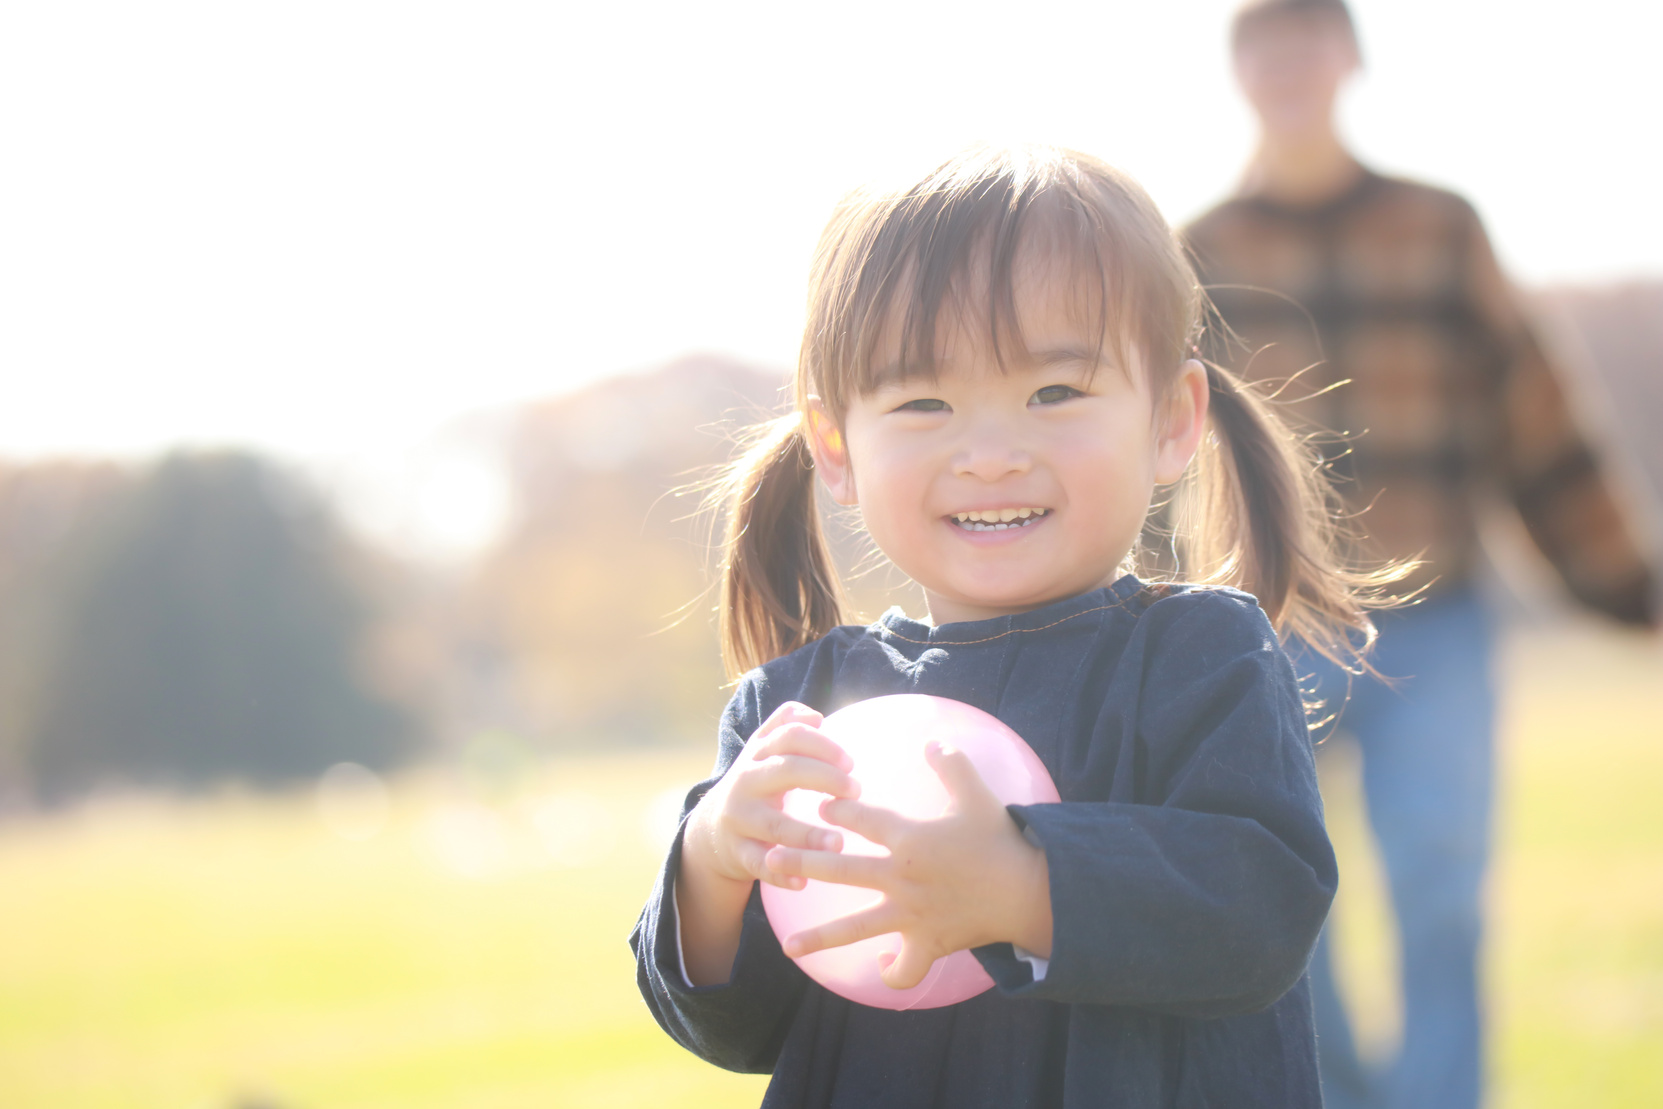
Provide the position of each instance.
(1550, 471)
(1208, 902)
(740, 1024)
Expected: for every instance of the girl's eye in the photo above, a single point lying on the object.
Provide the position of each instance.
(1054, 394)
(925, 404)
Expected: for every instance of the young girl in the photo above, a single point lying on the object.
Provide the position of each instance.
(997, 370)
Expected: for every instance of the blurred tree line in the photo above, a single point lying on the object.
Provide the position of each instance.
(208, 616)
(194, 619)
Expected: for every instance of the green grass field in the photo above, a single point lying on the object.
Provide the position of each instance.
(233, 950)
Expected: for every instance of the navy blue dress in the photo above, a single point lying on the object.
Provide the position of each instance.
(1189, 869)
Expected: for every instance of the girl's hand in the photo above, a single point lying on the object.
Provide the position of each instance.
(964, 879)
(742, 816)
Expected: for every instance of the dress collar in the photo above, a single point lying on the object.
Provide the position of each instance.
(898, 625)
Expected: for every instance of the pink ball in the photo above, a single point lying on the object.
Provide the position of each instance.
(886, 736)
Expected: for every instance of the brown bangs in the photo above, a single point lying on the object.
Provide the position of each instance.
(956, 248)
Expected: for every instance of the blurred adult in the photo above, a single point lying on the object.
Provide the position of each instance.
(1318, 262)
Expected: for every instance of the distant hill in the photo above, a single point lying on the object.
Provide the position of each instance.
(588, 623)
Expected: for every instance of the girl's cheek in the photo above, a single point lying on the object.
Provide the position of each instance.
(896, 464)
(1109, 439)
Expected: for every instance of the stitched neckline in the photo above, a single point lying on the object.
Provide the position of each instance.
(896, 624)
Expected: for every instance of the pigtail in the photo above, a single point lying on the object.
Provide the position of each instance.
(1257, 512)
(779, 589)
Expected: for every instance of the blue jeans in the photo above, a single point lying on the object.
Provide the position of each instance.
(1427, 775)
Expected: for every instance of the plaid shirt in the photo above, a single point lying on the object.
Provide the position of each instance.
(1393, 288)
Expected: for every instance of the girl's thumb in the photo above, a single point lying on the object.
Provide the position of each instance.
(906, 970)
(955, 770)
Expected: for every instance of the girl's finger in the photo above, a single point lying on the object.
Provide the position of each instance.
(826, 866)
(844, 930)
(750, 855)
(782, 772)
(878, 825)
(956, 771)
(753, 860)
(798, 737)
(908, 968)
(788, 713)
(768, 826)
(783, 881)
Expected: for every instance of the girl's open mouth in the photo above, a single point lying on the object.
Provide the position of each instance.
(997, 519)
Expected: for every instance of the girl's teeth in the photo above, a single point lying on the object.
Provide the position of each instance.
(998, 519)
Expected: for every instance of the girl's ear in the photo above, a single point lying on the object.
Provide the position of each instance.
(1183, 423)
(831, 453)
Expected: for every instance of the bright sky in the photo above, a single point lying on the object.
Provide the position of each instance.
(326, 228)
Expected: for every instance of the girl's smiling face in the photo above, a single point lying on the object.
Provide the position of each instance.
(1001, 489)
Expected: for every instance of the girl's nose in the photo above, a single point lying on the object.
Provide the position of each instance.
(990, 455)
